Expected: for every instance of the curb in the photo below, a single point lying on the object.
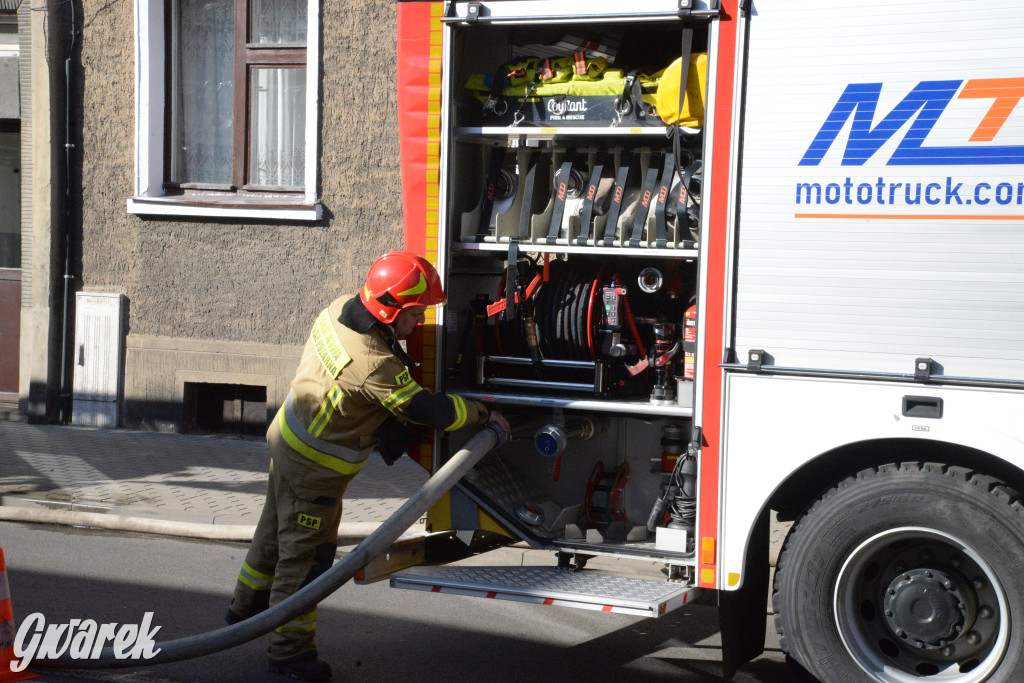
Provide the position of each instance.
(197, 530)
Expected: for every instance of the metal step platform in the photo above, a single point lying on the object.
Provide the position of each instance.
(586, 589)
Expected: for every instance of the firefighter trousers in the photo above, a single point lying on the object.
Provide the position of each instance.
(296, 540)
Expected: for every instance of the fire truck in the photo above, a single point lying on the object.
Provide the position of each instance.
(727, 262)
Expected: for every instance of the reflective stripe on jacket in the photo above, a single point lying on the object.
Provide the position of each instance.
(338, 458)
(347, 384)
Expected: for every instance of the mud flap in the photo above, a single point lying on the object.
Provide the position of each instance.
(742, 612)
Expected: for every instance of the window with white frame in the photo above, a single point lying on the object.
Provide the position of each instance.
(225, 108)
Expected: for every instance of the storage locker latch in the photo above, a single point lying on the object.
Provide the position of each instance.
(923, 369)
(755, 360)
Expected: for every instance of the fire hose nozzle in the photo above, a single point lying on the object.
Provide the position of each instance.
(650, 280)
(552, 439)
(501, 436)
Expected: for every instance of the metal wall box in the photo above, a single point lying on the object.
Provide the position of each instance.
(98, 354)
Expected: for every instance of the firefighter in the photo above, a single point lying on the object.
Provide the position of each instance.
(352, 393)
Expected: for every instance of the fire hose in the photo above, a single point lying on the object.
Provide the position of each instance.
(484, 441)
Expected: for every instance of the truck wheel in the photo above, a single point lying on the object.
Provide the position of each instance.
(906, 572)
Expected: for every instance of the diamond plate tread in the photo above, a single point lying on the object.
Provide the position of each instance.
(494, 479)
(586, 585)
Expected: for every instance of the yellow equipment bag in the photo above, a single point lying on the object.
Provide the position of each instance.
(667, 97)
(574, 90)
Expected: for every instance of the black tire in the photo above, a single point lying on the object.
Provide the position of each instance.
(904, 572)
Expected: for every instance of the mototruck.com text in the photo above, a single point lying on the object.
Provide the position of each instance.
(885, 192)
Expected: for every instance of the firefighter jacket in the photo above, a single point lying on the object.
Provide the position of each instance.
(353, 375)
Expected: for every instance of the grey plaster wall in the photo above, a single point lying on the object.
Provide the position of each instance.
(232, 301)
(243, 281)
(10, 100)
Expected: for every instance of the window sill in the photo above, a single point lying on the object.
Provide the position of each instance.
(224, 207)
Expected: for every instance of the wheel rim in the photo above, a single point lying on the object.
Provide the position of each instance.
(913, 603)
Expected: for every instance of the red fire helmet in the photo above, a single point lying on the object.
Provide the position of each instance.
(397, 280)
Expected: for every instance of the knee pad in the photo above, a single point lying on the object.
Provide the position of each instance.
(322, 561)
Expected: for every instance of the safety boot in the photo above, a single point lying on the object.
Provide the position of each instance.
(303, 667)
(259, 604)
(233, 617)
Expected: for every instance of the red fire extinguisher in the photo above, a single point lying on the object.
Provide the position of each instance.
(689, 341)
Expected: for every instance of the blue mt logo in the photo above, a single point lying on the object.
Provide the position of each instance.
(923, 106)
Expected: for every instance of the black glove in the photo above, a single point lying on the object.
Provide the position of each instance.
(396, 437)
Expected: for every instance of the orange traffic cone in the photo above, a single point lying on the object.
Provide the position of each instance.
(8, 631)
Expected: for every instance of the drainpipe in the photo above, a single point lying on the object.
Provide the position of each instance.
(66, 327)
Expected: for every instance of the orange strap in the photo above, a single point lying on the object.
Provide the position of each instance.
(546, 72)
(580, 60)
(500, 305)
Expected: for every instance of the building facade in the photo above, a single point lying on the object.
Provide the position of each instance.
(229, 167)
(10, 198)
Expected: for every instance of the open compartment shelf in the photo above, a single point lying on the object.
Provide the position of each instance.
(571, 227)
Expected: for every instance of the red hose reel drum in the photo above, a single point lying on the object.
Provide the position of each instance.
(604, 503)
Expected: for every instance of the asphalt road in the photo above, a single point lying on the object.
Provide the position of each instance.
(367, 632)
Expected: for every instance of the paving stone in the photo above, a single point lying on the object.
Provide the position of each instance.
(169, 476)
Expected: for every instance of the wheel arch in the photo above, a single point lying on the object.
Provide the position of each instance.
(802, 487)
(806, 484)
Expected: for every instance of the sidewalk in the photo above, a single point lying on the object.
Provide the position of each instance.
(170, 477)
(216, 480)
